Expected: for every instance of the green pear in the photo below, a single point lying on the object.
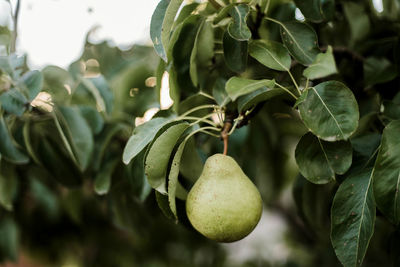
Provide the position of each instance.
(223, 205)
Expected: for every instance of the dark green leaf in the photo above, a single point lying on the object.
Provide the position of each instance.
(238, 27)
(319, 160)
(236, 86)
(358, 20)
(141, 137)
(158, 154)
(8, 148)
(79, 135)
(271, 54)
(378, 70)
(8, 185)
(323, 65)
(260, 95)
(219, 93)
(330, 111)
(9, 242)
(33, 82)
(301, 41)
(93, 118)
(163, 204)
(156, 24)
(353, 218)
(102, 181)
(316, 10)
(235, 53)
(12, 101)
(386, 174)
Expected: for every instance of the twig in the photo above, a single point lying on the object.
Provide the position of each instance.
(13, 44)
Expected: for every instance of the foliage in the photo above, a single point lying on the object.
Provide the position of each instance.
(324, 92)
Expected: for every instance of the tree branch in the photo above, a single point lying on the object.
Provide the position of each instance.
(15, 32)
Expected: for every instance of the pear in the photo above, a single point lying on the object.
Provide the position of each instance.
(223, 205)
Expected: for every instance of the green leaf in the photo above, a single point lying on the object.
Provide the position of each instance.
(378, 70)
(13, 101)
(316, 10)
(8, 185)
(78, 133)
(330, 111)
(260, 95)
(387, 173)
(219, 92)
(238, 27)
(33, 82)
(358, 20)
(12, 65)
(9, 242)
(235, 53)
(353, 218)
(323, 65)
(236, 86)
(102, 182)
(168, 21)
(301, 98)
(158, 154)
(319, 160)
(301, 41)
(156, 24)
(93, 118)
(101, 92)
(163, 204)
(391, 110)
(8, 148)
(141, 137)
(271, 54)
(191, 164)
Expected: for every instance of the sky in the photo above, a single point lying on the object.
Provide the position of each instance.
(53, 31)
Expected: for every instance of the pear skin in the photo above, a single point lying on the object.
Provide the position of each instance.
(223, 205)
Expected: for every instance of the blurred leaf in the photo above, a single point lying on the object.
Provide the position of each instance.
(319, 160)
(238, 27)
(159, 152)
(141, 137)
(9, 243)
(33, 82)
(93, 118)
(13, 101)
(316, 10)
(156, 27)
(163, 204)
(8, 148)
(330, 111)
(55, 80)
(358, 20)
(301, 41)
(101, 93)
(102, 181)
(271, 54)
(378, 70)
(235, 53)
(8, 185)
(260, 95)
(323, 65)
(391, 110)
(236, 86)
(79, 134)
(12, 65)
(353, 218)
(386, 175)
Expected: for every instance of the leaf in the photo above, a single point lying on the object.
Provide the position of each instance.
(378, 70)
(9, 241)
(191, 164)
(353, 218)
(316, 10)
(260, 95)
(14, 102)
(78, 133)
(158, 154)
(301, 98)
(387, 173)
(168, 21)
(102, 181)
(271, 54)
(236, 86)
(235, 53)
(101, 92)
(156, 24)
(323, 65)
(8, 185)
(301, 41)
(330, 111)
(219, 93)
(33, 82)
(8, 149)
(93, 118)
(238, 27)
(163, 204)
(358, 20)
(319, 160)
(141, 137)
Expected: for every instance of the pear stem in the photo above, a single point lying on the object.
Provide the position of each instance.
(225, 134)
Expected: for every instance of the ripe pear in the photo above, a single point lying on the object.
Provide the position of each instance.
(223, 205)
